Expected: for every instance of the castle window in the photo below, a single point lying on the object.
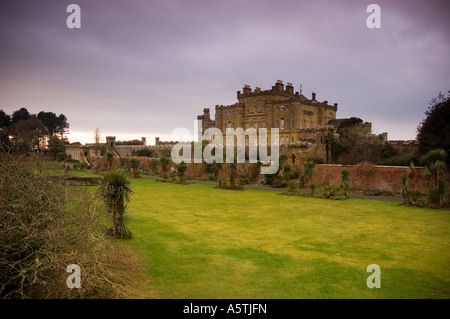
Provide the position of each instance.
(331, 114)
(256, 109)
(276, 109)
(287, 108)
(232, 125)
(299, 107)
(282, 140)
(287, 124)
(264, 108)
(229, 112)
(282, 108)
(246, 110)
(276, 124)
(255, 125)
(232, 113)
(282, 123)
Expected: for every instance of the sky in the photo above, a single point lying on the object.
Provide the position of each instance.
(145, 68)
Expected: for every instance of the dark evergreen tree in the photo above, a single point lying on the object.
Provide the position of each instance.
(434, 131)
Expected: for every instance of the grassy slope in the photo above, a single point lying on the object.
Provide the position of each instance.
(203, 242)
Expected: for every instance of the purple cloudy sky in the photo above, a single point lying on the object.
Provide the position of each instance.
(144, 68)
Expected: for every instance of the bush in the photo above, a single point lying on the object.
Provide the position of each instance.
(317, 160)
(436, 195)
(313, 188)
(244, 181)
(386, 193)
(330, 191)
(80, 166)
(292, 187)
(44, 227)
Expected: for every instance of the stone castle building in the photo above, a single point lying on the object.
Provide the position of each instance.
(301, 121)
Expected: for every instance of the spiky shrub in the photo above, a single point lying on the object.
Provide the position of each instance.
(435, 166)
(164, 162)
(287, 172)
(405, 191)
(134, 164)
(181, 169)
(345, 182)
(308, 170)
(436, 195)
(330, 191)
(115, 191)
(292, 187)
(110, 158)
(313, 188)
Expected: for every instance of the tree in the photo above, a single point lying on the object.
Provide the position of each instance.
(143, 152)
(134, 164)
(115, 190)
(5, 123)
(164, 161)
(62, 126)
(181, 169)
(435, 166)
(109, 158)
(50, 121)
(55, 146)
(21, 114)
(308, 171)
(286, 172)
(233, 173)
(357, 144)
(434, 131)
(97, 136)
(27, 134)
(388, 151)
(345, 182)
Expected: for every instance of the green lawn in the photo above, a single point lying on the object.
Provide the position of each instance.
(203, 242)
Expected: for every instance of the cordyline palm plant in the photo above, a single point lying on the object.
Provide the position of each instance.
(287, 172)
(115, 191)
(435, 165)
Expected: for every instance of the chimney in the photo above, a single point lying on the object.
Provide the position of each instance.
(289, 88)
(247, 89)
(335, 104)
(144, 141)
(313, 96)
(156, 140)
(279, 85)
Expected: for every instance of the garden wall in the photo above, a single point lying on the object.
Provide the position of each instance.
(370, 177)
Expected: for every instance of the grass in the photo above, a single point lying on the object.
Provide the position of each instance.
(202, 242)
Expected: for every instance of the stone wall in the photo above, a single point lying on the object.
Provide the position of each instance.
(367, 176)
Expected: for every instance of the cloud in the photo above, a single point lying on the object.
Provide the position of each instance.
(152, 66)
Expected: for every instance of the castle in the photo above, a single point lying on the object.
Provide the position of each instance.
(302, 122)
